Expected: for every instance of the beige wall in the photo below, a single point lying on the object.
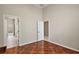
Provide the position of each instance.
(1, 28)
(28, 19)
(64, 24)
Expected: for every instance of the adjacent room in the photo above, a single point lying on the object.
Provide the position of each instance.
(39, 29)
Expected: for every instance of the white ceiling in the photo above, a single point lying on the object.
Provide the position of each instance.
(41, 5)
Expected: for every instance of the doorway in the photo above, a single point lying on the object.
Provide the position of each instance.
(43, 30)
(11, 31)
(46, 29)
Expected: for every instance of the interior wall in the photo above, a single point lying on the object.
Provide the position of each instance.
(29, 15)
(64, 24)
(1, 28)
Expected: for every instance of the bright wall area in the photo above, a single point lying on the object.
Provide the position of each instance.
(64, 24)
(1, 28)
(28, 19)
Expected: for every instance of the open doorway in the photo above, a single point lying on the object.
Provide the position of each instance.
(11, 31)
(43, 30)
(46, 29)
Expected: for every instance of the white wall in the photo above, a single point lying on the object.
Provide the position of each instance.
(28, 19)
(1, 28)
(64, 24)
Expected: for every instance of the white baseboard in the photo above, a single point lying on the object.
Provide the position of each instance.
(22, 44)
(11, 47)
(26, 43)
(64, 46)
(50, 42)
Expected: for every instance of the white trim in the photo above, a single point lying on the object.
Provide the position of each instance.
(50, 42)
(22, 44)
(4, 27)
(64, 46)
(26, 43)
(48, 29)
(11, 16)
(11, 47)
(42, 37)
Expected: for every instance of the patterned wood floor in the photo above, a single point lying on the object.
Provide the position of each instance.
(40, 47)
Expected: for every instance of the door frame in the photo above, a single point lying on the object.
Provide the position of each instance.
(5, 34)
(37, 30)
(48, 29)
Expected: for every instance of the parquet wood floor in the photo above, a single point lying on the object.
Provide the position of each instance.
(40, 47)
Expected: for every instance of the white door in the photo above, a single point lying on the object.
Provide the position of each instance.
(40, 30)
(11, 28)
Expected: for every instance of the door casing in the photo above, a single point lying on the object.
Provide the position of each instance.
(6, 30)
